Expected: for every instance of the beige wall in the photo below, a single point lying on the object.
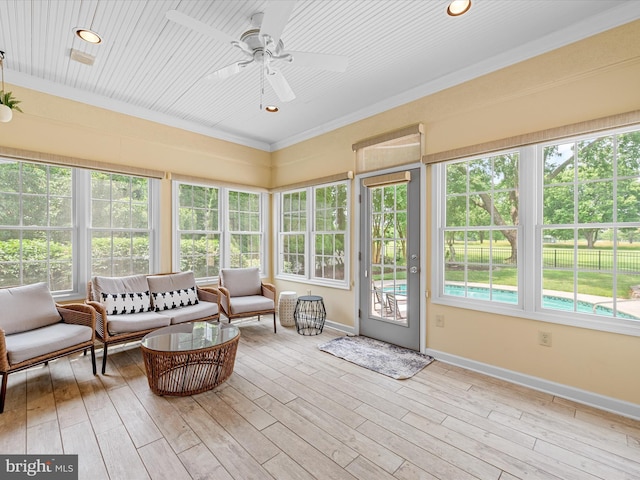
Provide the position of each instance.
(593, 78)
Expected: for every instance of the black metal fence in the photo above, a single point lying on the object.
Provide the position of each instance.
(561, 258)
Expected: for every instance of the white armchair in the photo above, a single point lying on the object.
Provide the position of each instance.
(243, 294)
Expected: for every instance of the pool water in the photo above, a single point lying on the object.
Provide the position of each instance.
(510, 296)
(548, 301)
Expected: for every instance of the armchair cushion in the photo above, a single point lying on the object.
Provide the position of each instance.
(251, 303)
(132, 283)
(26, 308)
(41, 341)
(241, 281)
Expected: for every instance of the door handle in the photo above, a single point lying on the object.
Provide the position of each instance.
(413, 269)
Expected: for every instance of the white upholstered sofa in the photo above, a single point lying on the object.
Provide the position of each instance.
(130, 307)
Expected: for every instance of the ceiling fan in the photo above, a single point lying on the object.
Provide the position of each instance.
(262, 46)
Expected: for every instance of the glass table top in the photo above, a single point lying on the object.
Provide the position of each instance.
(190, 336)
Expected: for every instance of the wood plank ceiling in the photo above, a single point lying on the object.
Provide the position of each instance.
(398, 50)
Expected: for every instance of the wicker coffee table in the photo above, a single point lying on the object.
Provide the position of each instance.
(189, 358)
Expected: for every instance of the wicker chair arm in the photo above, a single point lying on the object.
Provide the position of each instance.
(78, 313)
(101, 319)
(209, 294)
(4, 359)
(269, 291)
(225, 299)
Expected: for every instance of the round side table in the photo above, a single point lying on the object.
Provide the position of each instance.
(286, 307)
(310, 315)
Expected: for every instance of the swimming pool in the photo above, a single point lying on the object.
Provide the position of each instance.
(548, 301)
(510, 296)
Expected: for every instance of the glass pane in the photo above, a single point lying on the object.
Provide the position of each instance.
(559, 163)
(35, 178)
(558, 205)
(629, 154)
(628, 207)
(34, 210)
(10, 211)
(595, 159)
(595, 202)
(456, 178)
(9, 176)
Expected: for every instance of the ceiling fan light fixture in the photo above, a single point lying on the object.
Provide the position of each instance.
(88, 36)
(271, 108)
(458, 7)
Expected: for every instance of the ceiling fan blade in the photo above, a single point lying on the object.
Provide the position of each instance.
(334, 63)
(198, 26)
(275, 18)
(226, 72)
(280, 85)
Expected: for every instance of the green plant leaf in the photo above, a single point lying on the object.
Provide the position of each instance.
(7, 98)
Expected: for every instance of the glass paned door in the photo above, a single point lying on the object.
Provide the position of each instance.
(390, 261)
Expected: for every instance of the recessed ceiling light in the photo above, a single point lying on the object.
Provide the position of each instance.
(271, 108)
(458, 7)
(88, 35)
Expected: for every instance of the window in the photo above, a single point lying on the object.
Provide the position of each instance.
(315, 249)
(120, 225)
(591, 210)
(206, 242)
(36, 225)
(245, 229)
(480, 231)
(329, 235)
(578, 213)
(199, 230)
(293, 233)
(62, 225)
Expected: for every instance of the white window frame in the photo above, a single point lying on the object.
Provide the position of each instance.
(309, 234)
(81, 236)
(529, 239)
(223, 225)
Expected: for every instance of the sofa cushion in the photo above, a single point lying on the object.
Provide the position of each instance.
(193, 312)
(130, 284)
(136, 322)
(41, 341)
(174, 299)
(241, 281)
(121, 303)
(251, 303)
(26, 308)
(171, 282)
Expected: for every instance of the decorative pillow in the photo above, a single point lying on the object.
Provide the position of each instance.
(121, 303)
(175, 299)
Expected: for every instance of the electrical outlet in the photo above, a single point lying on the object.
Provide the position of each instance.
(544, 339)
(439, 320)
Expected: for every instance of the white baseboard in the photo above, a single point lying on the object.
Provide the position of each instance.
(609, 404)
(339, 327)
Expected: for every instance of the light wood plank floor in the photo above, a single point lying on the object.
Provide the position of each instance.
(290, 411)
